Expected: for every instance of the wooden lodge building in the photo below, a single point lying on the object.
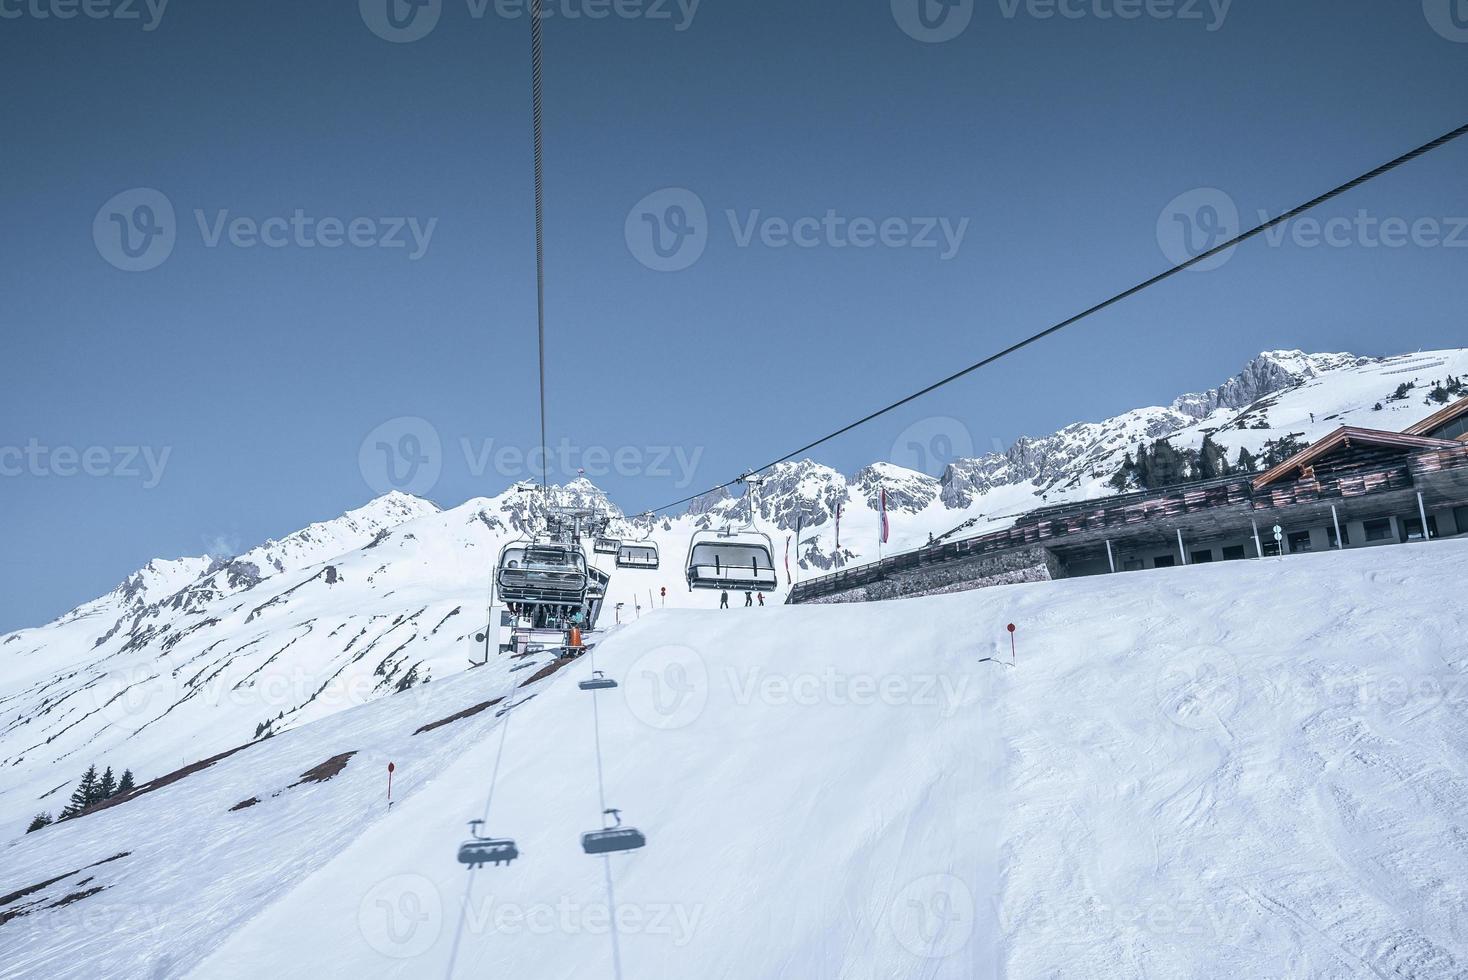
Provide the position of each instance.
(1354, 488)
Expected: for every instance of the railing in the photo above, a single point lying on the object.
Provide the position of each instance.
(1054, 524)
(734, 574)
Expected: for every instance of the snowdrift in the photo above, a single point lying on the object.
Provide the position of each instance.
(1250, 769)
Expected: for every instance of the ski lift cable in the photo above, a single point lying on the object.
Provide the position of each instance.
(535, 104)
(494, 776)
(1237, 240)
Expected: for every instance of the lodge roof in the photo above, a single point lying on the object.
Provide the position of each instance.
(1345, 437)
(1438, 419)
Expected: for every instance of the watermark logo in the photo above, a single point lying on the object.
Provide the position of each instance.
(405, 21)
(836, 688)
(403, 454)
(135, 231)
(933, 21)
(124, 696)
(401, 21)
(930, 445)
(667, 688)
(1449, 18)
(36, 459)
(1210, 13)
(1194, 224)
(1199, 688)
(1201, 220)
(668, 230)
(675, 923)
(566, 459)
(933, 917)
(148, 12)
(401, 917)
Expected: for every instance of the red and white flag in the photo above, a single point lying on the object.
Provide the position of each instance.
(838, 527)
(886, 528)
(787, 559)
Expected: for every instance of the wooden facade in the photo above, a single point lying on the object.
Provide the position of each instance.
(1358, 482)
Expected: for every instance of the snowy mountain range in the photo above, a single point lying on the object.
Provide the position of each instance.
(194, 656)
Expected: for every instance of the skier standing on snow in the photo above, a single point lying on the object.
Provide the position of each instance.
(748, 599)
(724, 599)
(762, 600)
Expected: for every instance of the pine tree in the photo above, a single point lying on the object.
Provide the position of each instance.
(107, 787)
(1212, 463)
(1121, 480)
(84, 795)
(1167, 465)
(125, 784)
(41, 820)
(1247, 463)
(1144, 467)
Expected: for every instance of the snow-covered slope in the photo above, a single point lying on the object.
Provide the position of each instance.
(1248, 769)
(193, 656)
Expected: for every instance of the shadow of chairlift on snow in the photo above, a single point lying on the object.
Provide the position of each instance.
(597, 682)
(480, 850)
(613, 839)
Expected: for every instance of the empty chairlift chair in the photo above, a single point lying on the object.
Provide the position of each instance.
(479, 850)
(541, 575)
(613, 839)
(731, 560)
(606, 546)
(638, 554)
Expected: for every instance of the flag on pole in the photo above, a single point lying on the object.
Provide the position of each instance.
(787, 559)
(838, 527)
(886, 528)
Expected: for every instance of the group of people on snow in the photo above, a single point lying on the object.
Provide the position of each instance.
(749, 598)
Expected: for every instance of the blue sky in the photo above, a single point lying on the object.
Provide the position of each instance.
(948, 195)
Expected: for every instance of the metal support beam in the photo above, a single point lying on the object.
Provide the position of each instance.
(1180, 549)
(1422, 509)
(1340, 542)
(1109, 556)
(1258, 548)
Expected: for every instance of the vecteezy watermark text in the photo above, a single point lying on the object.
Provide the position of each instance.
(408, 454)
(122, 462)
(668, 231)
(405, 21)
(566, 459)
(137, 230)
(149, 13)
(1201, 220)
(304, 231)
(937, 21)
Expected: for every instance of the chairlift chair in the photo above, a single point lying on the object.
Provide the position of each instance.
(743, 560)
(638, 554)
(480, 850)
(606, 546)
(541, 574)
(613, 839)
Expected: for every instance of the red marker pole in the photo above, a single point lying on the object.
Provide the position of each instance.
(1013, 653)
(390, 768)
